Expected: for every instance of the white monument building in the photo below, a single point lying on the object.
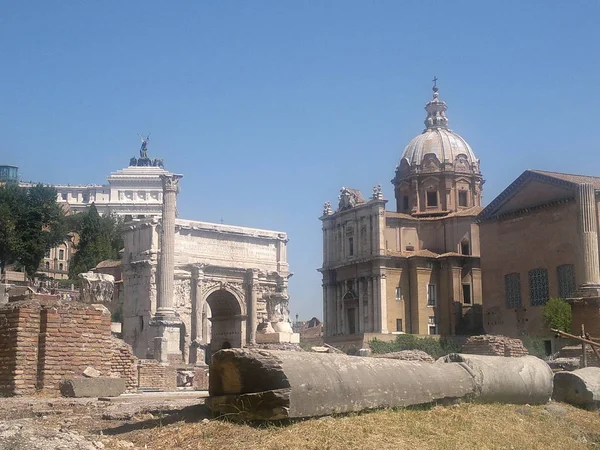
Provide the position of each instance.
(134, 192)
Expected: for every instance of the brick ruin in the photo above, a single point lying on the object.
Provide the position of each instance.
(494, 345)
(45, 341)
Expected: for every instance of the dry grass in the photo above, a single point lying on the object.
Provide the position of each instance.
(465, 426)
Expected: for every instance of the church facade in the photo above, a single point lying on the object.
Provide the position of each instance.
(416, 269)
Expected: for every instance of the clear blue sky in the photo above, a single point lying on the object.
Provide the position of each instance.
(269, 107)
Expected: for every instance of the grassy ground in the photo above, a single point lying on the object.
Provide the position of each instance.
(464, 426)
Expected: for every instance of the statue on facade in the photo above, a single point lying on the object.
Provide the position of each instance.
(349, 198)
(377, 194)
(144, 147)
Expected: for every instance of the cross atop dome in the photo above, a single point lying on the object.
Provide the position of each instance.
(436, 110)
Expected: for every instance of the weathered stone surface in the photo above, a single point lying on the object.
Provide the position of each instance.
(407, 355)
(274, 385)
(90, 372)
(258, 384)
(524, 379)
(565, 364)
(580, 387)
(96, 287)
(92, 387)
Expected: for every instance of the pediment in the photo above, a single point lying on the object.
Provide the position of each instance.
(527, 191)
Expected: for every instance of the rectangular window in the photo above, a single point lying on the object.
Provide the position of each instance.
(398, 293)
(61, 255)
(512, 290)
(538, 287)
(464, 248)
(432, 198)
(63, 196)
(566, 280)
(432, 327)
(431, 295)
(398, 324)
(466, 294)
(405, 202)
(350, 246)
(462, 198)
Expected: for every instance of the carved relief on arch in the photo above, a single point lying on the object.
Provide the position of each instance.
(237, 289)
(430, 163)
(461, 163)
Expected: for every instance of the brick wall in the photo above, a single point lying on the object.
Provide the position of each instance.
(545, 238)
(19, 330)
(494, 346)
(42, 342)
(123, 363)
(151, 375)
(73, 336)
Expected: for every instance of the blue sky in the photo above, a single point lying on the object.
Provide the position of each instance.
(269, 107)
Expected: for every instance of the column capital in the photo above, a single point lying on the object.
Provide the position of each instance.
(198, 271)
(170, 182)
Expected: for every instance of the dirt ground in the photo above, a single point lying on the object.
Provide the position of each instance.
(81, 424)
(181, 421)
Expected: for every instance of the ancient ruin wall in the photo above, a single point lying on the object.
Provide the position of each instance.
(72, 337)
(19, 330)
(493, 345)
(123, 363)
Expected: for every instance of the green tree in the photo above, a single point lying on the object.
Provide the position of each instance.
(31, 222)
(100, 238)
(557, 314)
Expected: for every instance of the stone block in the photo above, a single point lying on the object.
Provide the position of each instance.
(92, 387)
(278, 338)
(90, 372)
(580, 387)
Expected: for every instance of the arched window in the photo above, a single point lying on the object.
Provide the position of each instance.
(60, 267)
(47, 265)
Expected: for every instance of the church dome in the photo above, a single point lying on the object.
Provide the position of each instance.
(437, 138)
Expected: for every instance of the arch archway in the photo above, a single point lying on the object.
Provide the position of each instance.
(226, 319)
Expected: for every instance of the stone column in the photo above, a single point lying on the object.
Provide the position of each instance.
(361, 311)
(371, 314)
(383, 302)
(197, 354)
(376, 305)
(252, 275)
(165, 316)
(325, 309)
(588, 237)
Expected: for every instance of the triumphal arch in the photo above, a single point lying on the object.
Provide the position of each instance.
(228, 285)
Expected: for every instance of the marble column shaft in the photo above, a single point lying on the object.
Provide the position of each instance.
(588, 235)
(253, 305)
(164, 302)
(197, 306)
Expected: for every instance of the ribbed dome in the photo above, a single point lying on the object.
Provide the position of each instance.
(443, 143)
(437, 138)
